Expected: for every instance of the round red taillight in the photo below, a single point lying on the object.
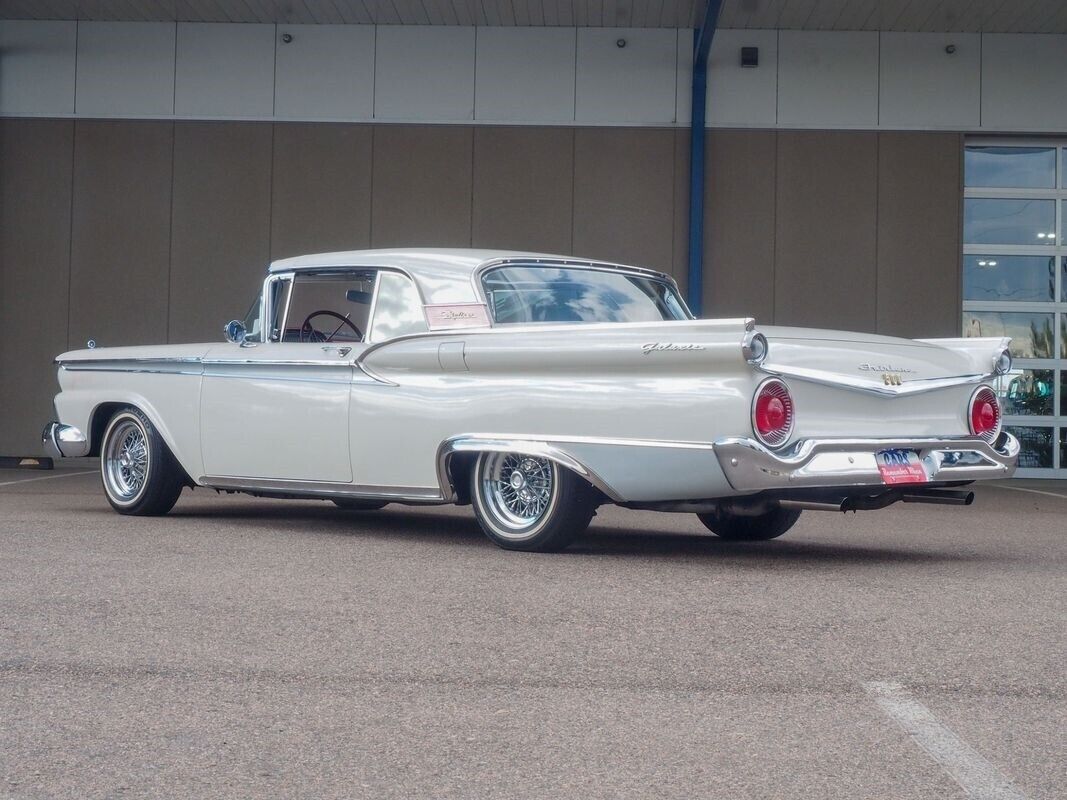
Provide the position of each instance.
(772, 413)
(985, 414)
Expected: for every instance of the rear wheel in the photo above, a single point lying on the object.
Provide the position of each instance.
(141, 477)
(528, 503)
(349, 504)
(738, 528)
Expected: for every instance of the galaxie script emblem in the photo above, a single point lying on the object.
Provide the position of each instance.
(868, 367)
(669, 347)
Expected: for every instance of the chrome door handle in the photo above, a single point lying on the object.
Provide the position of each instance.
(341, 351)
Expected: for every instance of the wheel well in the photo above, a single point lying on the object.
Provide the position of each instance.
(460, 467)
(102, 414)
(459, 472)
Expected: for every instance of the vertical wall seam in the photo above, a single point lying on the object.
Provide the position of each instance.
(174, 79)
(574, 181)
(270, 196)
(877, 227)
(774, 241)
(77, 33)
(470, 207)
(370, 190)
(274, 83)
(374, 79)
(70, 220)
(170, 232)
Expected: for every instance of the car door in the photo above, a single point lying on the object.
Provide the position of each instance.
(279, 409)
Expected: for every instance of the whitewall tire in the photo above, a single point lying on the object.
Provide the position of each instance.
(529, 503)
(140, 475)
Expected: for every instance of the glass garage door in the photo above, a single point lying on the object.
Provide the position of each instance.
(1015, 284)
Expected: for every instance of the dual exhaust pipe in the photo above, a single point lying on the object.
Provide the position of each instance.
(947, 497)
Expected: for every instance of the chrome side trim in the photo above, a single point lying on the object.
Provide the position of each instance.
(64, 441)
(857, 384)
(749, 466)
(66, 362)
(277, 362)
(323, 489)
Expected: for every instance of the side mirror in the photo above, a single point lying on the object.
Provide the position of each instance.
(235, 331)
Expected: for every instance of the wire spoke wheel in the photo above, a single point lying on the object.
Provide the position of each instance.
(126, 460)
(518, 489)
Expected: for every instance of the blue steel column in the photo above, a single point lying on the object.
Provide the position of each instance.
(702, 37)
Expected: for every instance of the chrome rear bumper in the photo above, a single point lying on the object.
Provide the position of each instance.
(825, 463)
(64, 441)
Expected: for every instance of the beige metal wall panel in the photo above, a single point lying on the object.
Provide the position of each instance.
(523, 184)
(220, 225)
(422, 186)
(919, 189)
(825, 229)
(321, 192)
(680, 257)
(739, 224)
(35, 191)
(120, 248)
(624, 195)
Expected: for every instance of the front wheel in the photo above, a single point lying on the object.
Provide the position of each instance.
(141, 477)
(528, 503)
(739, 528)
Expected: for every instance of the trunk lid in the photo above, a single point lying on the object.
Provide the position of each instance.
(877, 362)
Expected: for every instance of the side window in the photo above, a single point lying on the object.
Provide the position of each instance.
(329, 306)
(398, 308)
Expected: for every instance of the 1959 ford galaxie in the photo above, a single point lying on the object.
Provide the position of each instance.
(535, 388)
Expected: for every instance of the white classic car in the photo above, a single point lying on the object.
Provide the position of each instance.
(535, 388)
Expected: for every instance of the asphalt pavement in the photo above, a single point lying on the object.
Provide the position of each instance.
(287, 649)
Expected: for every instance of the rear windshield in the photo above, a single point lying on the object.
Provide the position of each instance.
(526, 294)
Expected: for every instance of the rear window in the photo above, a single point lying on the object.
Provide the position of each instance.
(520, 295)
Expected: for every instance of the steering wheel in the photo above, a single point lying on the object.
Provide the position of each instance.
(308, 333)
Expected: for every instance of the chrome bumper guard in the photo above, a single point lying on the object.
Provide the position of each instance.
(64, 441)
(824, 463)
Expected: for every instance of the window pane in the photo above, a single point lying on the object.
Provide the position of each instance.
(1018, 278)
(1063, 335)
(997, 221)
(1031, 334)
(399, 308)
(1027, 392)
(1063, 281)
(1036, 445)
(1013, 167)
(520, 294)
(1063, 447)
(1063, 403)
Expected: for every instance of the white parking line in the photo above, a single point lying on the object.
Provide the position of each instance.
(976, 776)
(1031, 491)
(50, 477)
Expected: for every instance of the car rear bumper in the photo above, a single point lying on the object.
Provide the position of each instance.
(815, 463)
(64, 441)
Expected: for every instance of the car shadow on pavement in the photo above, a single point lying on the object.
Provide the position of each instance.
(432, 527)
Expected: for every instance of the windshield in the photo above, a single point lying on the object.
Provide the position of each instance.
(524, 294)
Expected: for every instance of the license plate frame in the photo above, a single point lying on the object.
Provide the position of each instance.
(900, 466)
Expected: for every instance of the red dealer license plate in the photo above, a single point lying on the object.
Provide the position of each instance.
(900, 466)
